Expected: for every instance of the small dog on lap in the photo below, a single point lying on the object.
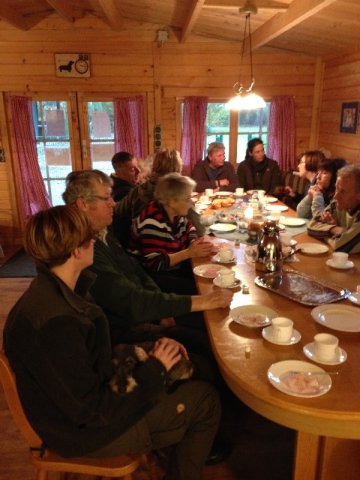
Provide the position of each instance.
(125, 359)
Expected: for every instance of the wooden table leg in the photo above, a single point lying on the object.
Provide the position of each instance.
(307, 451)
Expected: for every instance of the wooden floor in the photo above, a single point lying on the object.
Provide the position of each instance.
(261, 449)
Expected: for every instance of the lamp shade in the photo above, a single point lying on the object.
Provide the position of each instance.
(247, 101)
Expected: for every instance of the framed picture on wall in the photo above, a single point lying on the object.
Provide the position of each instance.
(349, 117)
(72, 64)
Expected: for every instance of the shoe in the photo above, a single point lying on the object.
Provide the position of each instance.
(220, 451)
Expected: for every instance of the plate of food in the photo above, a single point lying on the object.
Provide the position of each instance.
(208, 270)
(252, 316)
(299, 379)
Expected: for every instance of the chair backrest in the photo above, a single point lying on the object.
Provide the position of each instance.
(8, 381)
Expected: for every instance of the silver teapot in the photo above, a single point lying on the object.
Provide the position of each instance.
(269, 255)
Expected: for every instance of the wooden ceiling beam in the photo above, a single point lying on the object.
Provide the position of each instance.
(238, 4)
(10, 15)
(112, 13)
(65, 10)
(193, 15)
(298, 11)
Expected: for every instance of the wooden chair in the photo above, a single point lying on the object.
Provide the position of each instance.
(121, 466)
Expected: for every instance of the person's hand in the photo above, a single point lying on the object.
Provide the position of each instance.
(224, 182)
(335, 231)
(219, 298)
(168, 352)
(314, 190)
(200, 248)
(326, 217)
(289, 191)
(168, 322)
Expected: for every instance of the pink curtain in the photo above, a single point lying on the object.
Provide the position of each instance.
(193, 132)
(129, 125)
(30, 189)
(281, 134)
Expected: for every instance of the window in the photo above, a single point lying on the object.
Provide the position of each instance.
(53, 145)
(101, 135)
(250, 124)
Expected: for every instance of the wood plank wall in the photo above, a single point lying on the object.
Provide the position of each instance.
(130, 62)
(341, 84)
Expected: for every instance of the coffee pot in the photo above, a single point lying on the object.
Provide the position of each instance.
(269, 254)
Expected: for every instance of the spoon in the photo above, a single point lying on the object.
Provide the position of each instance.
(295, 372)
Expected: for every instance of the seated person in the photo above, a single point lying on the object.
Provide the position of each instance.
(163, 239)
(126, 174)
(339, 223)
(307, 168)
(214, 172)
(166, 161)
(126, 293)
(257, 172)
(57, 343)
(321, 193)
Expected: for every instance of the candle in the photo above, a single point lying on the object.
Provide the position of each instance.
(249, 213)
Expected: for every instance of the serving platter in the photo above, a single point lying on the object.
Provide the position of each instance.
(302, 288)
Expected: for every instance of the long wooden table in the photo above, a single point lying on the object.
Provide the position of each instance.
(324, 424)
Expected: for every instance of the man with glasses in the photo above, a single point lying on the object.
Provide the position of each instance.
(339, 223)
(128, 296)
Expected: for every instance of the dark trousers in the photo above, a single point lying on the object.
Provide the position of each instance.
(185, 419)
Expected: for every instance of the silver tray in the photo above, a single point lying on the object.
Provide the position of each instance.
(302, 288)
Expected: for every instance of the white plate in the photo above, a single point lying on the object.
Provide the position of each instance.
(223, 194)
(355, 298)
(204, 202)
(216, 258)
(250, 192)
(222, 227)
(277, 208)
(344, 318)
(267, 334)
(277, 371)
(218, 283)
(271, 199)
(208, 270)
(348, 264)
(293, 221)
(340, 356)
(239, 315)
(313, 248)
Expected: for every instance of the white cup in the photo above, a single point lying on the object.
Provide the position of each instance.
(340, 258)
(285, 238)
(275, 215)
(239, 191)
(203, 199)
(325, 346)
(282, 329)
(209, 191)
(261, 194)
(226, 254)
(227, 278)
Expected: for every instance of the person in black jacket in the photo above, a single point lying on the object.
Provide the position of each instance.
(58, 344)
(257, 171)
(126, 174)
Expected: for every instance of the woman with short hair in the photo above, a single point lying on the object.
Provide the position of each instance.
(163, 239)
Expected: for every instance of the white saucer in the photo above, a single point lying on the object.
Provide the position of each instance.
(348, 264)
(267, 334)
(217, 282)
(216, 258)
(339, 358)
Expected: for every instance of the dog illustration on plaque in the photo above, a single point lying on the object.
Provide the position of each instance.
(125, 360)
(66, 68)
